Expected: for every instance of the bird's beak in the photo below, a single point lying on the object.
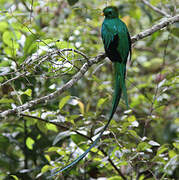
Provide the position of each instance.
(102, 14)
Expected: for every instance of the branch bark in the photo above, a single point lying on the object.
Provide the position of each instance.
(68, 85)
(155, 28)
(159, 11)
(84, 69)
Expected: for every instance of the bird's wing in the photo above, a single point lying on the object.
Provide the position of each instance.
(124, 44)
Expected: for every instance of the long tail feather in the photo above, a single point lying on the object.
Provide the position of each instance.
(122, 71)
(119, 87)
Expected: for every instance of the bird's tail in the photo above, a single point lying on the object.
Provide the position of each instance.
(118, 89)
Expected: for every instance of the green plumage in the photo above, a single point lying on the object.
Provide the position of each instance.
(117, 46)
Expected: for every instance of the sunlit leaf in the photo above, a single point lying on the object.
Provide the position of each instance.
(63, 101)
(47, 157)
(154, 2)
(101, 101)
(51, 127)
(3, 26)
(29, 143)
(46, 168)
(143, 146)
(131, 118)
(115, 178)
(53, 149)
(28, 92)
(176, 145)
(162, 149)
(14, 177)
(6, 101)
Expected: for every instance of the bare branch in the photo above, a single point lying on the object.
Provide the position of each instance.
(14, 78)
(68, 85)
(85, 68)
(163, 13)
(155, 28)
(40, 60)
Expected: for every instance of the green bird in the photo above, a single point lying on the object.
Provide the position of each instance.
(117, 45)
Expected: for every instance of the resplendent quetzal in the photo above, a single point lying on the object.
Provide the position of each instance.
(117, 45)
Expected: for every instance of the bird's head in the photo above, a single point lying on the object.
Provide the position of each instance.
(110, 12)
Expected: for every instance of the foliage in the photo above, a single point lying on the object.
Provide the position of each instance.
(141, 142)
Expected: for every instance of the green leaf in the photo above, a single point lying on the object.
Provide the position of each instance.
(3, 26)
(15, 177)
(10, 38)
(30, 45)
(46, 168)
(64, 44)
(79, 140)
(123, 163)
(142, 177)
(101, 101)
(162, 149)
(28, 92)
(153, 64)
(131, 118)
(175, 31)
(132, 132)
(143, 146)
(42, 126)
(172, 153)
(53, 149)
(46, 42)
(47, 157)
(51, 127)
(1, 79)
(154, 2)
(137, 13)
(6, 101)
(10, 51)
(63, 101)
(5, 63)
(29, 143)
(176, 145)
(115, 178)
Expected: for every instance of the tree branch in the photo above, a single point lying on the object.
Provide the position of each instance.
(68, 85)
(155, 28)
(163, 13)
(85, 68)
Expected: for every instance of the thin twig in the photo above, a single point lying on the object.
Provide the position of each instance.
(163, 13)
(50, 96)
(156, 91)
(155, 28)
(67, 128)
